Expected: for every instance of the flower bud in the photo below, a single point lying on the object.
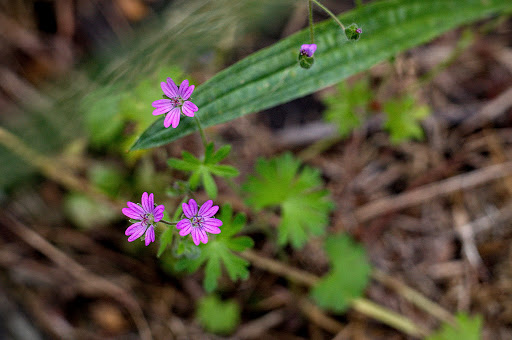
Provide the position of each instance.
(306, 58)
(353, 32)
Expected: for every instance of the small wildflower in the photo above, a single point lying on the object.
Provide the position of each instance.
(359, 30)
(308, 50)
(147, 215)
(198, 223)
(176, 104)
(306, 58)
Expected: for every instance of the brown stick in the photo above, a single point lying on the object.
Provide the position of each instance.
(92, 283)
(431, 191)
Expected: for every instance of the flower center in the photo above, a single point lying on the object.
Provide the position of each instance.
(176, 101)
(148, 219)
(197, 221)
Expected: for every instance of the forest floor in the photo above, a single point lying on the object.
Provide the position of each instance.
(434, 214)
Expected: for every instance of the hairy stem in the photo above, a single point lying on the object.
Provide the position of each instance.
(331, 14)
(167, 222)
(311, 32)
(201, 132)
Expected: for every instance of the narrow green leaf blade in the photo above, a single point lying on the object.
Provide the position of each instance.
(222, 153)
(224, 170)
(272, 76)
(209, 185)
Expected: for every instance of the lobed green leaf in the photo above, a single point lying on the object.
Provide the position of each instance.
(467, 328)
(349, 275)
(218, 316)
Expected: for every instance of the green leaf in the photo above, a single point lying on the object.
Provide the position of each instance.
(106, 178)
(467, 328)
(208, 153)
(87, 213)
(202, 170)
(304, 203)
(189, 158)
(209, 185)
(217, 316)
(403, 116)
(182, 165)
(349, 275)
(195, 178)
(272, 76)
(220, 249)
(165, 239)
(222, 153)
(348, 106)
(100, 107)
(224, 170)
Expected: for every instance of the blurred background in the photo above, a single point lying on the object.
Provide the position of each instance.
(77, 78)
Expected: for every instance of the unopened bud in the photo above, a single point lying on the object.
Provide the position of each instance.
(306, 58)
(353, 32)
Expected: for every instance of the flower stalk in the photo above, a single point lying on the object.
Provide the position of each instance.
(331, 14)
(311, 32)
(201, 132)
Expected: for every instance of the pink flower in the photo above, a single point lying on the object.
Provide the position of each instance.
(147, 215)
(308, 50)
(198, 223)
(176, 104)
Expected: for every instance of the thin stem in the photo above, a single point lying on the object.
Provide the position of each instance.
(203, 136)
(414, 297)
(280, 268)
(318, 147)
(311, 32)
(330, 13)
(167, 222)
(388, 317)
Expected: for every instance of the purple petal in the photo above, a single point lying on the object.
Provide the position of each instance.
(150, 235)
(131, 229)
(308, 49)
(158, 213)
(185, 90)
(186, 94)
(211, 230)
(151, 203)
(136, 209)
(170, 89)
(162, 110)
(186, 230)
(210, 211)
(189, 108)
(172, 118)
(137, 233)
(203, 236)
(212, 222)
(193, 206)
(195, 236)
(206, 205)
(190, 209)
(183, 223)
(131, 214)
(161, 103)
(144, 201)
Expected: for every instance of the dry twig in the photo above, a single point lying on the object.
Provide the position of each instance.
(431, 191)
